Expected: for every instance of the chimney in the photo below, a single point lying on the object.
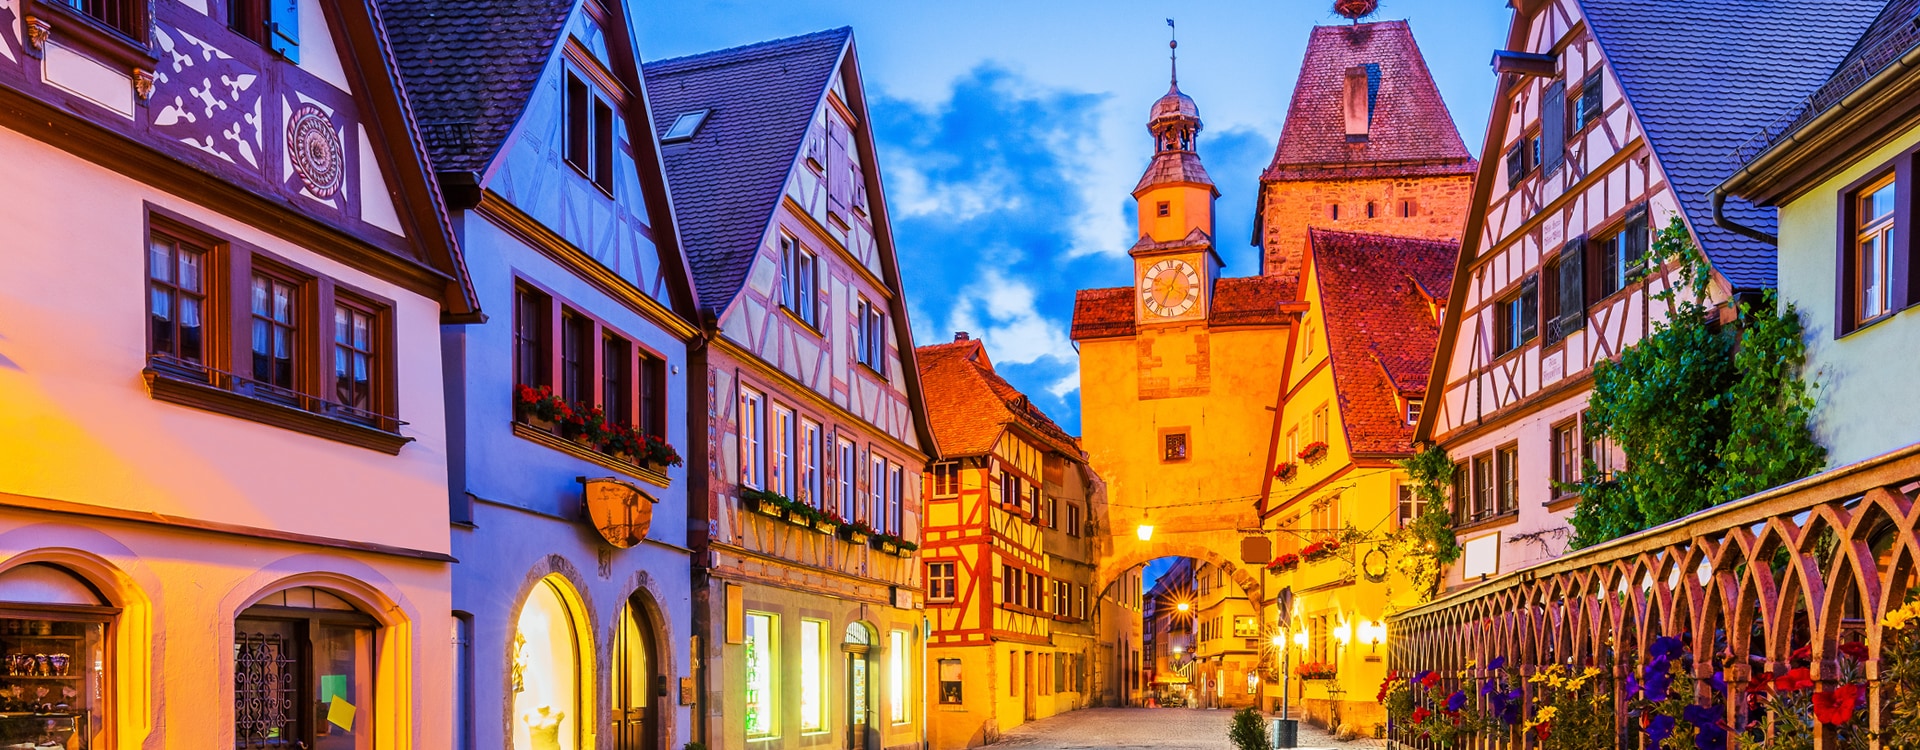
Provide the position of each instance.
(1357, 103)
(959, 335)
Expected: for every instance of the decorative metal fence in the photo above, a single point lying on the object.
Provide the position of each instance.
(1795, 578)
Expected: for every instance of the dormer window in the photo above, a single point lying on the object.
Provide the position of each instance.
(685, 126)
(589, 131)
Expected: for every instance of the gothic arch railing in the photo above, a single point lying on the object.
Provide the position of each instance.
(1805, 567)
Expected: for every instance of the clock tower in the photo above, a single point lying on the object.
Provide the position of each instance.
(1174, 260)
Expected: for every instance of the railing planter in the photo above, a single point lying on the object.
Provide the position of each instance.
(1314, 453)
(1320, 550)
(892, 545)
(1286, 472)
(856, 532)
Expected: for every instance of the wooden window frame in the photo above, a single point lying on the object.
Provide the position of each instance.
(214, 266)
(1168, 437)
(588, 123)
(123, 42)
(946, 479)
(800, 282)
(1903, 275)
(1564, 447)
(217, 385)
(1506, 493)
(577, 334)
(646, 399)
(952, 579)
(870, 344)
(532, 338)
(1485, 484)
(752, 437)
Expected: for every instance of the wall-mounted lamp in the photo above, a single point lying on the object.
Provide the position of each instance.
(1279, 641)
(1145, 532)
(1300, 637)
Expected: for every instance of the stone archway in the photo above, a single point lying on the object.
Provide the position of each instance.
(1117, 562)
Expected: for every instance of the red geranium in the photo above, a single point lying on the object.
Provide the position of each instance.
(1393, 676)
(1802, 653)
(1420, 714)
(1430, 679)
(1855, 650)
(1760, 683)
(1836, 706)
(1795, 679)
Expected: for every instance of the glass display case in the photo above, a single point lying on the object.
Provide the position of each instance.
(52, 675)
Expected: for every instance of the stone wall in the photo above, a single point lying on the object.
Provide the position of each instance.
(1438, 211)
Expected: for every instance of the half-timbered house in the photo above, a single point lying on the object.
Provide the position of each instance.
(806, 491)
(1009, 561)
(222, 502)
(1605, 128)
(572, 601)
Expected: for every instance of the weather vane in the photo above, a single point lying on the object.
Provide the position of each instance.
(1173, 50)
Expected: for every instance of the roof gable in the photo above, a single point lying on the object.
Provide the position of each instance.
(1381, 325)
(1703, 77)
(727, 181)
(971, 406)
(1408, 122)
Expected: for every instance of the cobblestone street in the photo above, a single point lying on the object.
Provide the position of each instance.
(1170, 728)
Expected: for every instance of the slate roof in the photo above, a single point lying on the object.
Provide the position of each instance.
(969, 405)
(1248, 300)
(469, 67)
(728, 180)
(1408, 123)
(1380, 297)
(1891, 35)
(1703, 77)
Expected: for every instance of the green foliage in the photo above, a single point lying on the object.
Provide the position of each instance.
(1246, 732)
(1428, 543)
(1704, 413)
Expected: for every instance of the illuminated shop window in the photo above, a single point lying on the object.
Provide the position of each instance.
(303, 647)
(53, 656)
(762, 649)
(813, 676)
(546, 672)
(897, 677)
(950, 691)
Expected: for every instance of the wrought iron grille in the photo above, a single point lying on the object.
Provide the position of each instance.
(265, 691)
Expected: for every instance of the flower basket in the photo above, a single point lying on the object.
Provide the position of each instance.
(1320, 550)
(825, 526)
(1314, 453)
(857, 532)
(1315, 670)
(1285, 562)
(765, 503)
(1286, 472)
(892, 545)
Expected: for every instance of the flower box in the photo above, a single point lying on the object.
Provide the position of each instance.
(1285, 562)
(764, 503)
(1320, 550)
(825, 526)
(1286, 472)
(892, 545)
(1314, 453)
(588, 427)
(1316, 671)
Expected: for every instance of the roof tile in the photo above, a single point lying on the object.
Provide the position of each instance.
(1246, 300)
(1380, 297)
(969, 405)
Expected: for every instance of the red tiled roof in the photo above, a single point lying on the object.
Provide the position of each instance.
(1408, 122)
(1380, 296)
(969, 405)
(1249, 300)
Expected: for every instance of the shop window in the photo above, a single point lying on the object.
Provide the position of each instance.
(546, 672)
(897, 676)
(762, 650)
(53, 635)
(950, 681)
(303, 673)
(813, 676)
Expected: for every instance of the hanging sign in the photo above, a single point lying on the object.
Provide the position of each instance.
(621, 512)
(1374, 565)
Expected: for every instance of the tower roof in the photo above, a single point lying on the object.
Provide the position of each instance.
(1408, 129)
(1172, 106)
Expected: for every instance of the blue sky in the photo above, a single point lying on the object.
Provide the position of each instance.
(1011, 133)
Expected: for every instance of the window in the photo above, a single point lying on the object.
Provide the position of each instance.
(1293, 445)
(1564, 303)
(1871, 277)
(1507, 460)
(1320, 424)
(1586, 108)
(127, 18)
(813, 676)
(653, 395)
(1333, 212)
(685, 126)
(49, 609)
(616, 379)
(799, 280)
(753, 438)
(876, 490)
(590, 136)
(1622, 255)
(950, 682)
(1411, 506)
(1370, 209)
(946, 479)
(811, 452)
(1462, 492)
(177, 295)
(1413, 410)
(1408, 210)
(1049, 507)
(1597, 454)
(276, 332)
(1013, 668)
(848, 475)
(1519, 316)
(274, 25)
(1162, 209)
(941, 580)
(781, 467)
(1566, 456)
(1173, 446)
(354, 358)
(762, 665)
(1483, 484)
(531, 336)
(872, 342)
(1009, 585)
(1059, 597)
(896, 500)
(308, 648)
(1073, 520)
(576, 367)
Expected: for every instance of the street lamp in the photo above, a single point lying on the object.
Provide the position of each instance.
(1182, 606)
(1300, 637)
(1145, 532)
(1279, 641)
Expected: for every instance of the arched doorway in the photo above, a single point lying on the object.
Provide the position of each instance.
(303, 672)
(548, 669)
(639, 684)
(858, 646)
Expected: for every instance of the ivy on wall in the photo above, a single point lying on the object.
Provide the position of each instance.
(1704, 413)
(1423, 547)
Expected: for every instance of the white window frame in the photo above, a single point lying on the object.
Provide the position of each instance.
(752, 427)
(896, 497)
(782, 462)
(870, 327)
(943, 588)
(849, 475)
(799, 281)
(877, 488)
(810, 449)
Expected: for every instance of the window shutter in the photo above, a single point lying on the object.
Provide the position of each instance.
(1590, 99)
(1516, 164)
(1529, 308)
(283, 19)
(1573, 287)
(1553, 126)
(1635, 241)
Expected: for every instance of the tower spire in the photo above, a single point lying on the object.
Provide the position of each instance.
(1173, 53)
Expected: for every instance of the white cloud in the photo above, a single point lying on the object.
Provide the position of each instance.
(1002, 311)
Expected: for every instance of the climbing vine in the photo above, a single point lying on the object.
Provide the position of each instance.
(1424, 546)
(1704, 413)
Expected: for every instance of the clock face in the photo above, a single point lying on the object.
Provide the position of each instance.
(1170, 288)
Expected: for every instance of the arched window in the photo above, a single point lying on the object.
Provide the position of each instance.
(546, 671)
(303, 673)
(53, 651)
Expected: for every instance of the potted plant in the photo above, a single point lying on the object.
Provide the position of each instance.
(857, 532)
(1286, 472)
(1314, 453)
(824, 521)
(538, 407)
(1320, 549)
(1285, 562)
(1316, 670)
(887, 543)
(659, 452)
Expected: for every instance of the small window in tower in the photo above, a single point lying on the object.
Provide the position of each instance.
(1333, 212)
(1406, 209)
(1370, 209)
(1163, 209)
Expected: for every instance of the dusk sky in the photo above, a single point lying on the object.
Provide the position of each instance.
(1011, 132)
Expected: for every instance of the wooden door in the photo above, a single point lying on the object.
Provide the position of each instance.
(1026, 672)
(637, 682)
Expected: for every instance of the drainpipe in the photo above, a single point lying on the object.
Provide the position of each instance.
(926, 628)
(1721, 220)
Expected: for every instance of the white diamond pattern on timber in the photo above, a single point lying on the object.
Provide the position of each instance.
(1812, 567)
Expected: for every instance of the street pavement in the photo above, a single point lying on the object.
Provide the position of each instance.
(1168, 728)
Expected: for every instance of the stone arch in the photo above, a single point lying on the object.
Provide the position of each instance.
(1246, 575)
(574, 594)
(132, 634)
